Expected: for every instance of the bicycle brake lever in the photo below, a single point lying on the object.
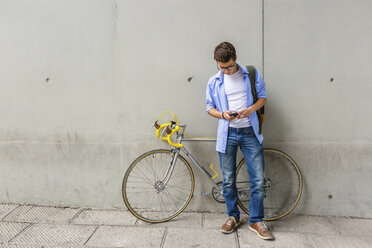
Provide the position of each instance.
(151, 128)
(162, 132)
(156, 125)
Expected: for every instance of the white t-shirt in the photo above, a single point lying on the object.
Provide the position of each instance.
(236, 92)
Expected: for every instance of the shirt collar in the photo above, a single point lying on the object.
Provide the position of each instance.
(219, 76)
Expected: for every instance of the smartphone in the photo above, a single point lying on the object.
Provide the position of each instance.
(233, 114)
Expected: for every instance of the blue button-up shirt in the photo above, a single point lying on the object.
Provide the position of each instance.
(216, 98)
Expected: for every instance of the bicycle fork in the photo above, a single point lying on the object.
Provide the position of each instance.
(160, 185)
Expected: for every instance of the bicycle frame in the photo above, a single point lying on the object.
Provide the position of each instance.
(176, 151)
(205, 172)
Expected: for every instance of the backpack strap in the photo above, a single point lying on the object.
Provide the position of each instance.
(261, 112)
(252, 78)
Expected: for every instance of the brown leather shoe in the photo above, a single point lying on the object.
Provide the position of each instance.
(230, 225)
(262, 230)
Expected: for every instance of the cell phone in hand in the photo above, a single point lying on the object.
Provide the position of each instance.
(233, 114)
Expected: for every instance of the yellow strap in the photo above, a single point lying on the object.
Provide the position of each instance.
(216, 173)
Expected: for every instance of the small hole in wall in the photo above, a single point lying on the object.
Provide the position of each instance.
(330, 197)
(331, 80)
(47, 80)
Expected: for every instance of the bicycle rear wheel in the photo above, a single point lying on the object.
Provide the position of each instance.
(282, 183)
(146, 194)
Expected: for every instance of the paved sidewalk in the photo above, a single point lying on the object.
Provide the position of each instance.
(26, 226)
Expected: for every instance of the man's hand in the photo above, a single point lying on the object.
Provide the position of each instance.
(215, 113)
(228, 116)
(245, 112)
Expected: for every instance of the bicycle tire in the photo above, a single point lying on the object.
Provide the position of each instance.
(281, 174)
(149, 201)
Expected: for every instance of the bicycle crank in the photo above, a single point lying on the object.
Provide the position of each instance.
(217, 193)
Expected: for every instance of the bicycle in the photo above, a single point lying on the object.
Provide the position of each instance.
(159, 184)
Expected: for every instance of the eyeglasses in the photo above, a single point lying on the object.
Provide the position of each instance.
(227, 68)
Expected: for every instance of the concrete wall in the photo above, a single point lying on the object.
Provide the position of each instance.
(324, 124)
(82, 81)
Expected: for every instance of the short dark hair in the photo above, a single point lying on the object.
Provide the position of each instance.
(224, 52)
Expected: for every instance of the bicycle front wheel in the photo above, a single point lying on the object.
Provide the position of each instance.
(146, 192)
(282, 184)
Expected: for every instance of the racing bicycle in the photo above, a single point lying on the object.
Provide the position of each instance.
(159, 184)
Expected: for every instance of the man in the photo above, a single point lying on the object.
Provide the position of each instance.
(229, 99)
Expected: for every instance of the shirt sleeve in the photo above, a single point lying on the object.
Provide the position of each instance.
(260, 86)
(210, 102)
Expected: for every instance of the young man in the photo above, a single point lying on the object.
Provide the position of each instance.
(229, 99)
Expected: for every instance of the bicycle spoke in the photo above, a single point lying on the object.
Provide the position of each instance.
(179, 191)
(162, 201)
(174, 186)
(153, 199)
(140, 192)
(177, 198)
(170, 196)
(154, 173)
(173, 176)
(148, 180)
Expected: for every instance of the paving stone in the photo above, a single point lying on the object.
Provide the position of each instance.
(180, 238)
(17, 213)
(117, 236)
(54, 234)
(10, 230)
(189, 220)
(5, 209)
(303, 224)
(353, 226)
(339, 241)
(249, 239)
(105, 217)
(214, 221)
(37, 214)
(20, 246)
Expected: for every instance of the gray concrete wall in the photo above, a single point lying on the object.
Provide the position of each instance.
(82, 81)
(324, 124)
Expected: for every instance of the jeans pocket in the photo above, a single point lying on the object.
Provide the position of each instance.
(248, 131)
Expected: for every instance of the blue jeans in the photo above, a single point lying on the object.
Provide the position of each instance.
(253, 153)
